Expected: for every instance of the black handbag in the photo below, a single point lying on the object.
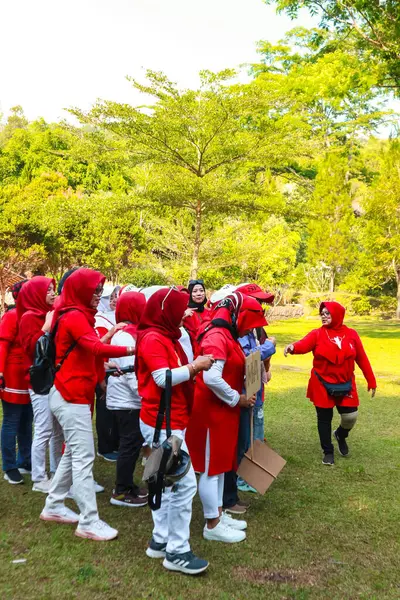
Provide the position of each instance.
(337, 390)
(167, 463)
(44, 367)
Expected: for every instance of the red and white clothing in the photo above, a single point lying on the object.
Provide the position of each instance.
(336, 349)
(12, 361)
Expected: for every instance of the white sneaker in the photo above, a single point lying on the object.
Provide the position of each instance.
(234, 523)
(223, 533)
(61, 515)
(98, 531)
(42, 486)
(98, 488)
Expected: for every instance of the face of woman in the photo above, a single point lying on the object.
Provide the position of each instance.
(96, 296)
(198, 293)
(326, 317)
(51, 295)
(113, 301)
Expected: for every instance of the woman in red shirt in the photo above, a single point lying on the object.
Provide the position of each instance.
(34, 311)
(17, 408)
(70, 400)
(336, 349)
(214, 424)
(158, 350)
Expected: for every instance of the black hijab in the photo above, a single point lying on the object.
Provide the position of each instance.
(192, 303)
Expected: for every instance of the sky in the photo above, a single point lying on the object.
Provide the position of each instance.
(55, 54)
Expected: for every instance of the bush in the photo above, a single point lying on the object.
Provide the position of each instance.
(361, 306)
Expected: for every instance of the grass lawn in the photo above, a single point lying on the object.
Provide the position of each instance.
(319, 532)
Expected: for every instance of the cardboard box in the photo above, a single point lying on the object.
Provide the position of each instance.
(260, 466)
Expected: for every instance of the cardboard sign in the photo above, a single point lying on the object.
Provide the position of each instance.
(253, 373)
(260, 466)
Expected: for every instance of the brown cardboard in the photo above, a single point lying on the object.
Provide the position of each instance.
(262, 468)
(253, 373)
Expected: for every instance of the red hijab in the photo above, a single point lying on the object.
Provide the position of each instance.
(239, 311)
(130, 307)
(335, 330)
(32, 297)
(78, 292)
(163, 314)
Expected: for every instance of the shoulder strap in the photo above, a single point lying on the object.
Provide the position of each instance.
(220, 323)
(164, 409)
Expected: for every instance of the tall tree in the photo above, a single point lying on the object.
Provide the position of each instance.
(200, 141)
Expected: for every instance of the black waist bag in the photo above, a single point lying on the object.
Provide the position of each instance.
(44, 368)
(337, 390)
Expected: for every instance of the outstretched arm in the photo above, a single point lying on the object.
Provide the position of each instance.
(303, 346)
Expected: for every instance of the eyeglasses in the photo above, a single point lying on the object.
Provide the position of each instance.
(98, 292)
(325, 313)
(169, 291)
(196, 281)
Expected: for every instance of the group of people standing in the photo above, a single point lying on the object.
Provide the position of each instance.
(143, 335)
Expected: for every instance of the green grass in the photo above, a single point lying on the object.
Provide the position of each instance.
(318, 533)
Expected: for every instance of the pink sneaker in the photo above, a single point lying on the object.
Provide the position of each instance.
(61, 515)
(98, 531)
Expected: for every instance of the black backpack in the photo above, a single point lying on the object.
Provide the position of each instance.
(44, 368)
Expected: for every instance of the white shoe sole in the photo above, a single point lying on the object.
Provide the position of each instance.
(92, 536)
(112, 460)
(155, 553)
(24, 472)
(225, 541)
(6, 477)
(171, 567)
(58, 519)
(120, 503)
(234, 512)
(35, 489)
(328, 464)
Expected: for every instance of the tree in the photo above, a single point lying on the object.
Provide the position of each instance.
(373, 25)
(202, 144)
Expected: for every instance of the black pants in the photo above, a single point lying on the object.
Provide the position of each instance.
(231, 496)
(324, 422)
(106, 425)
(130, 443)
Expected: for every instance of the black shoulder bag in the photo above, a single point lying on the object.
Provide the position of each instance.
(44, 368)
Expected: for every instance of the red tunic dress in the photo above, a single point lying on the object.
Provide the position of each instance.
(12, 361)
(334, 365)
(210, 414)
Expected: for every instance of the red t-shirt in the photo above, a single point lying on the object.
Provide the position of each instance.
(158, 352)
(76, 380)
(12, 361)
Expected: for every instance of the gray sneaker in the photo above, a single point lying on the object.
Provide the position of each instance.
(156, 550)
(187, 563)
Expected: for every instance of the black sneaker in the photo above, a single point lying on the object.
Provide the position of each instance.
(156, 550)
(187, 563)
(127, 499)
(13, 476)
(343, 447)
(328, 460)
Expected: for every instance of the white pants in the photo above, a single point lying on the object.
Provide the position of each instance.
(47, 430)
(76, 465)
(211, 488)
(172, 519)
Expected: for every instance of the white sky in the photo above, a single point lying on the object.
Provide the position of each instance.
(60, 53)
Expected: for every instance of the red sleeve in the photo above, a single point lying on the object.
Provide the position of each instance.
(307, 344)
(4, 347)
(154, 353)
(30, 330)
(215, 343)
(363, 362)
(80, 330)
(101, 332)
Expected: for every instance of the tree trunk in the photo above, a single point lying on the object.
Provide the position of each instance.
(332, 282)
(197, 243)
(398, 293)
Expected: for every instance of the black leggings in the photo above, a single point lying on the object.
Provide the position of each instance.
(325, 416)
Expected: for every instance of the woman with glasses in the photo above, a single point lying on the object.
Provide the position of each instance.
(336, 349)
(70, 399)
(34, 311)
(158, 350)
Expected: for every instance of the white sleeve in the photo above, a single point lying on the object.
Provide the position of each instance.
(214, 380)
(123, 338)
(179, 375)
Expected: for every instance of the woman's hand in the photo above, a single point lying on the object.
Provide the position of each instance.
(48, 321)
(112, 365)
(373, 392)
(111, 332)
(288, 350)
(246, 403)
(188, 313)
(203, 363)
